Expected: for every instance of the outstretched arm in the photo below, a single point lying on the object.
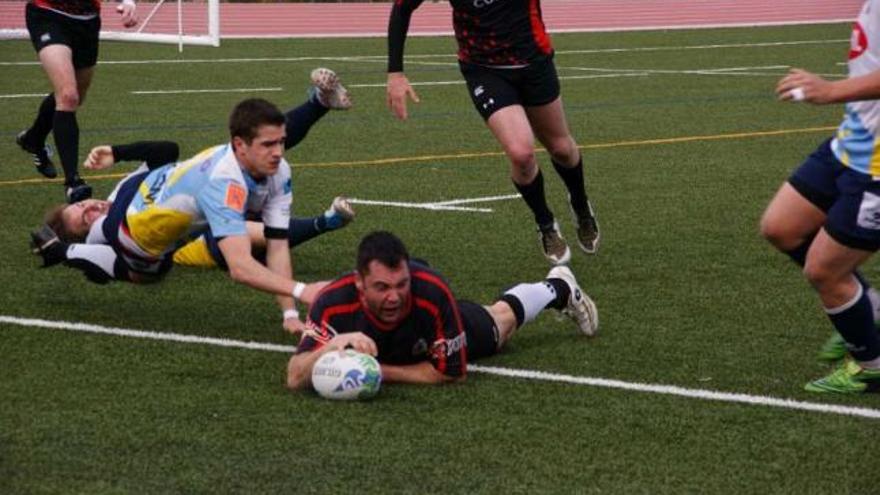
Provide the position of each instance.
(398, 88)
(153, 153)
(801, 85)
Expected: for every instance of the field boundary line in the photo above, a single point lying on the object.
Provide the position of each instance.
(710, 395)
(486, 154)
(383, 58)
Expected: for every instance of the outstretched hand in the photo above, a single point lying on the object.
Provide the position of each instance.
(800, 85)
(397, 90)
(99, 158)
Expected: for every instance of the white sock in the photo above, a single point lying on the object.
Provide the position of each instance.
(534, 298)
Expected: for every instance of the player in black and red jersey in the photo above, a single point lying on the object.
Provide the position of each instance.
(405, 314)
(506, 58)
(65, 35)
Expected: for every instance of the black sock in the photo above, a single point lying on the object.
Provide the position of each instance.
(563, 292)
(533, 194)
(300, 119)
(856, 325)
(303, 229)
(42, 125)
(573, 177)
(66, 131)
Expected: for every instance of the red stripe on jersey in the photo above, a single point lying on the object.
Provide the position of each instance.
(337, 310)
(433, 279)
(438, 328)
(344, 280)
(538, 30)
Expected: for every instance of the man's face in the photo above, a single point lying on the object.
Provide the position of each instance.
(262, 157)
(79, 217)
(386, 291)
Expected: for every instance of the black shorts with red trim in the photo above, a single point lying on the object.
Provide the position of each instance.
(480, 328)
(493, 88)
(47, 27)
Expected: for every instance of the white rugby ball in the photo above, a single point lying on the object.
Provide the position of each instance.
(346, 375)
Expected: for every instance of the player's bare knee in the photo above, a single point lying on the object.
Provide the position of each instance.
(564, 151)
(777, 233)
(67, 100)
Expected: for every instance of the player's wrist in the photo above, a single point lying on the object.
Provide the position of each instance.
(298, 289)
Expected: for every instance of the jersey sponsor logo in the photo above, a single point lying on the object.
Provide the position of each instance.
(858, 42)
(446, 347)
(236, 195)
(479, 4)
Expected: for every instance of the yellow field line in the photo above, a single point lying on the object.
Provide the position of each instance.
(464, 156)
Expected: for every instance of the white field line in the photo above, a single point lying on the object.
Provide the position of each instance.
(701, 394)
(190, 91)
(450, 55)
(417, 206)
(625, 73)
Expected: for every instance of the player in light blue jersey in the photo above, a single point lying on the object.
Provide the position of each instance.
(156, 209)
(826, 217)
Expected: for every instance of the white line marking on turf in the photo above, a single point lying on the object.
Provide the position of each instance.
(440, 205)
(24, 95)
(702, 394)
(189, 91)
(383, 58)
(418, 206)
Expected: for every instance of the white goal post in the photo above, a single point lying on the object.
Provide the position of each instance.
(181, 22)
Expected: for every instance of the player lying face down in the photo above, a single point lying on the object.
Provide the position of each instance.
(404, 313)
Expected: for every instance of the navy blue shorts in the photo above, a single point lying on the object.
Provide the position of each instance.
(51, 28)
(492, 89)
(850, 199)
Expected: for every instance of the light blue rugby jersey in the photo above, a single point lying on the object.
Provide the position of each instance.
(177, 202)
(856, 142)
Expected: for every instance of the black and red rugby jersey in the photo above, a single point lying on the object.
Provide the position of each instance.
(432, 329)
(72, 7)
(489, 32)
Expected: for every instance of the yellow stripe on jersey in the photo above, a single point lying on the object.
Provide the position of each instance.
(183, 167)
(196, 253)
(156, 229)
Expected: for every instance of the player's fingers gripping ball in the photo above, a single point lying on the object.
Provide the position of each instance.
(346, 375)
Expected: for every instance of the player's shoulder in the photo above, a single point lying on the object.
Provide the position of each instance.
(341, 291)
(426, 280)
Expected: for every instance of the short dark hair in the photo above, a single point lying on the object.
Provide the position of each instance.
(55, 221)
(247, 117)
(381, 246)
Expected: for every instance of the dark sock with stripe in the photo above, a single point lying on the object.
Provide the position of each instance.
(573, 177)
(533, 194)
(42, 125)
(66, 132)
(300, 119)
(563, 292)
(303, 229)
(856, 325)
